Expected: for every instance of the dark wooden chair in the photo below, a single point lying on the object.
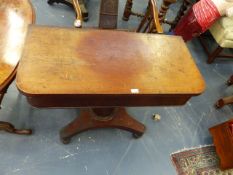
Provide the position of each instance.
(162, 12)
(221, 32)
(226, 100)
(14, 19)
(152, 19)
(183, 9)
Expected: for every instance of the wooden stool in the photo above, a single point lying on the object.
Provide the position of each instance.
(102, 71)
(14, 19)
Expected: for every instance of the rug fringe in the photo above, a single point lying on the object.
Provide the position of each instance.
(191, 148)
(185, 149)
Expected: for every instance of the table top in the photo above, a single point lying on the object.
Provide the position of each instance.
(15, 15)
(88, 61)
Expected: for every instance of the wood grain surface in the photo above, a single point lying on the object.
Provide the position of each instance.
(86, 61)
(15, 15)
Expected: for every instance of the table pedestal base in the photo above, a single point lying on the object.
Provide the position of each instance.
(102, 118)
(8, 127)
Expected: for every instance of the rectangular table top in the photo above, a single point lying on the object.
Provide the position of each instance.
(88, 61)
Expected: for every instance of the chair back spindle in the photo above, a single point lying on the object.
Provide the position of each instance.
(150, 23)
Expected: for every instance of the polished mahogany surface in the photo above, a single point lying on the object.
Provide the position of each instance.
(61, 61)
(15, 15)
(223, 141)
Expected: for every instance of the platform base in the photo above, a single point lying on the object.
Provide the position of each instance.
(102, 118)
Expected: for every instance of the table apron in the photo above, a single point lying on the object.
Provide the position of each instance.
(61, 101)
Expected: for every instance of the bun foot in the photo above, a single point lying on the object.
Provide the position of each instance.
(8, 127)
(65, 140)
(78, 23)
(219, 104)
(50, 2)
(137, 135)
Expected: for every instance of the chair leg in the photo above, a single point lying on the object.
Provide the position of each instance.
(224, 101)
(1, 97)
(78, 20)
(164, 8)
(230, 81)
(2, 93)
(180, 13)
(144, 20)
(127, 10)
(213, 55)
(50, 2)
(8, 127)
(79, 7)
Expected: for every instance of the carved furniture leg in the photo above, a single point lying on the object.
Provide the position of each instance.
(1, 97)
(8, 127)
(230, 81)
(78, 20)
(102, 118)
(83, 10)
(224, 101)
(127, 10)
(214, 54)
(78, 6)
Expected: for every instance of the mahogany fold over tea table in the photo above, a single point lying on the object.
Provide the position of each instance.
(103, 71)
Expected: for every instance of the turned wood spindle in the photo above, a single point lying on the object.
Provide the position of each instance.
(181, 12)
(164, 8)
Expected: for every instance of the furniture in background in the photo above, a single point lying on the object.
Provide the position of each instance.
(201, 160)
(79, 7)
(221, 31)
(230, 81)
(103, 71)
(183, 9)
(223, 141)
(162, 12)
(150, 23)
(108, 14)
(226, 100)
(14, 19)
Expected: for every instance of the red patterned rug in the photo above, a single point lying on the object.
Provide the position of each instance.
(198, 161)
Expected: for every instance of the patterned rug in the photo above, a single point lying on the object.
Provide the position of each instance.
(198, 161)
